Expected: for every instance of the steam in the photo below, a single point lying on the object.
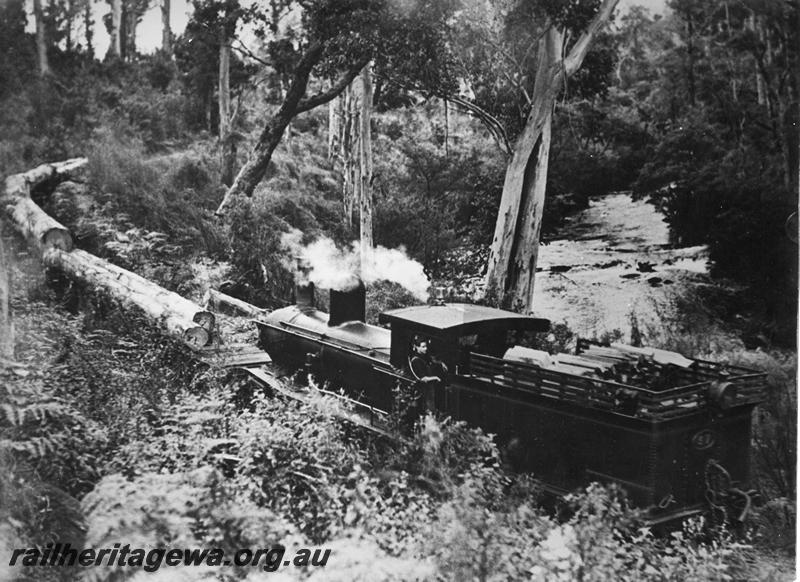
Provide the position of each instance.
(333, 267)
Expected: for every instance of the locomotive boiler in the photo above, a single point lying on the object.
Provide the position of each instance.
(675, 444)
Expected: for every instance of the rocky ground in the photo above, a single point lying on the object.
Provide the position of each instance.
(611, 269)
(615, 269)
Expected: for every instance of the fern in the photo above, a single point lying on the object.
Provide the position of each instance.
(186, 509)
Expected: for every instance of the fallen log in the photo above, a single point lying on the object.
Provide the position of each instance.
(180, 317)
(177, 304)
(222, 303)
(27, 217)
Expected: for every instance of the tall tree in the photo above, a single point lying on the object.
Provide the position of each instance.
(88, 29)
(41, 38)
(228, 14)
(115, 30)
(132, 13)
(166, 27)
(227, 152)
(350, 145)
(515, 247)
(365, 164)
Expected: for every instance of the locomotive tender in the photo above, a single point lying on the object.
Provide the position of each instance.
(674, 449)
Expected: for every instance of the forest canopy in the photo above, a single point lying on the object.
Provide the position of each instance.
(695, 109)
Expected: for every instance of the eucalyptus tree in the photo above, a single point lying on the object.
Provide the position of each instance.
(506, 62)
(42, 42)
(515, 246)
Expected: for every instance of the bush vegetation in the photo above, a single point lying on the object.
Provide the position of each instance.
(108, 431)
(195, 465)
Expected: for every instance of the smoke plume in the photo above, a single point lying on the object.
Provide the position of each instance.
(333, 267)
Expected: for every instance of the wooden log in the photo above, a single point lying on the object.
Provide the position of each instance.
(31, 221)
(658, 356)
(180, 317)
(222, 303)
(593, 365)
(182, 307)
(42, 230)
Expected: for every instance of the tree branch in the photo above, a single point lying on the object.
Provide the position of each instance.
(575, 57)
(337, 88)
(490, 121)
(248, 53)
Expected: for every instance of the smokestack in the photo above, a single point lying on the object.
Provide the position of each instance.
(349, 305)
(304, 292)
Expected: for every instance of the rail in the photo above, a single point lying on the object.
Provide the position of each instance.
(612, 396)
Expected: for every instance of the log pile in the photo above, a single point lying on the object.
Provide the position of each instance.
(180, 317)
(648, 368)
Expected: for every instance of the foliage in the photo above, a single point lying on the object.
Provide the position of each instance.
(385, 295)
(197, 58)
(442, 453)
(457, 187)
(478, 537)
(181, 460)
(188, 509)
(775, 430)
(723, 166)
(295, 462)
(148, 214)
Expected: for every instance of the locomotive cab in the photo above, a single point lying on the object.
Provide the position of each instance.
(455, 330)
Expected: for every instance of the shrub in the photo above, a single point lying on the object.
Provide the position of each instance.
(385, 295)
(189, 509)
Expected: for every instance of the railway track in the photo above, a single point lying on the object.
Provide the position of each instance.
(257, 367)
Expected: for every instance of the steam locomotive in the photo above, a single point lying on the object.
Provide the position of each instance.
(675, 447)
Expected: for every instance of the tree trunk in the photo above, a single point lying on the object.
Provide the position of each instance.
(343, 138)
(333, 127)
(39, 228)
(350, 145)
(690, 50)
(115, 41)
(512, 260)
(88, 26)
(130, 21)
(227, 153)
(41, 39)
(446, 129)
(365, 164)
(6, 320)
(69, 18)
(180, 317)
(166, 28)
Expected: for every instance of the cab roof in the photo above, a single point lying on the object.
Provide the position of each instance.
(461, 318)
